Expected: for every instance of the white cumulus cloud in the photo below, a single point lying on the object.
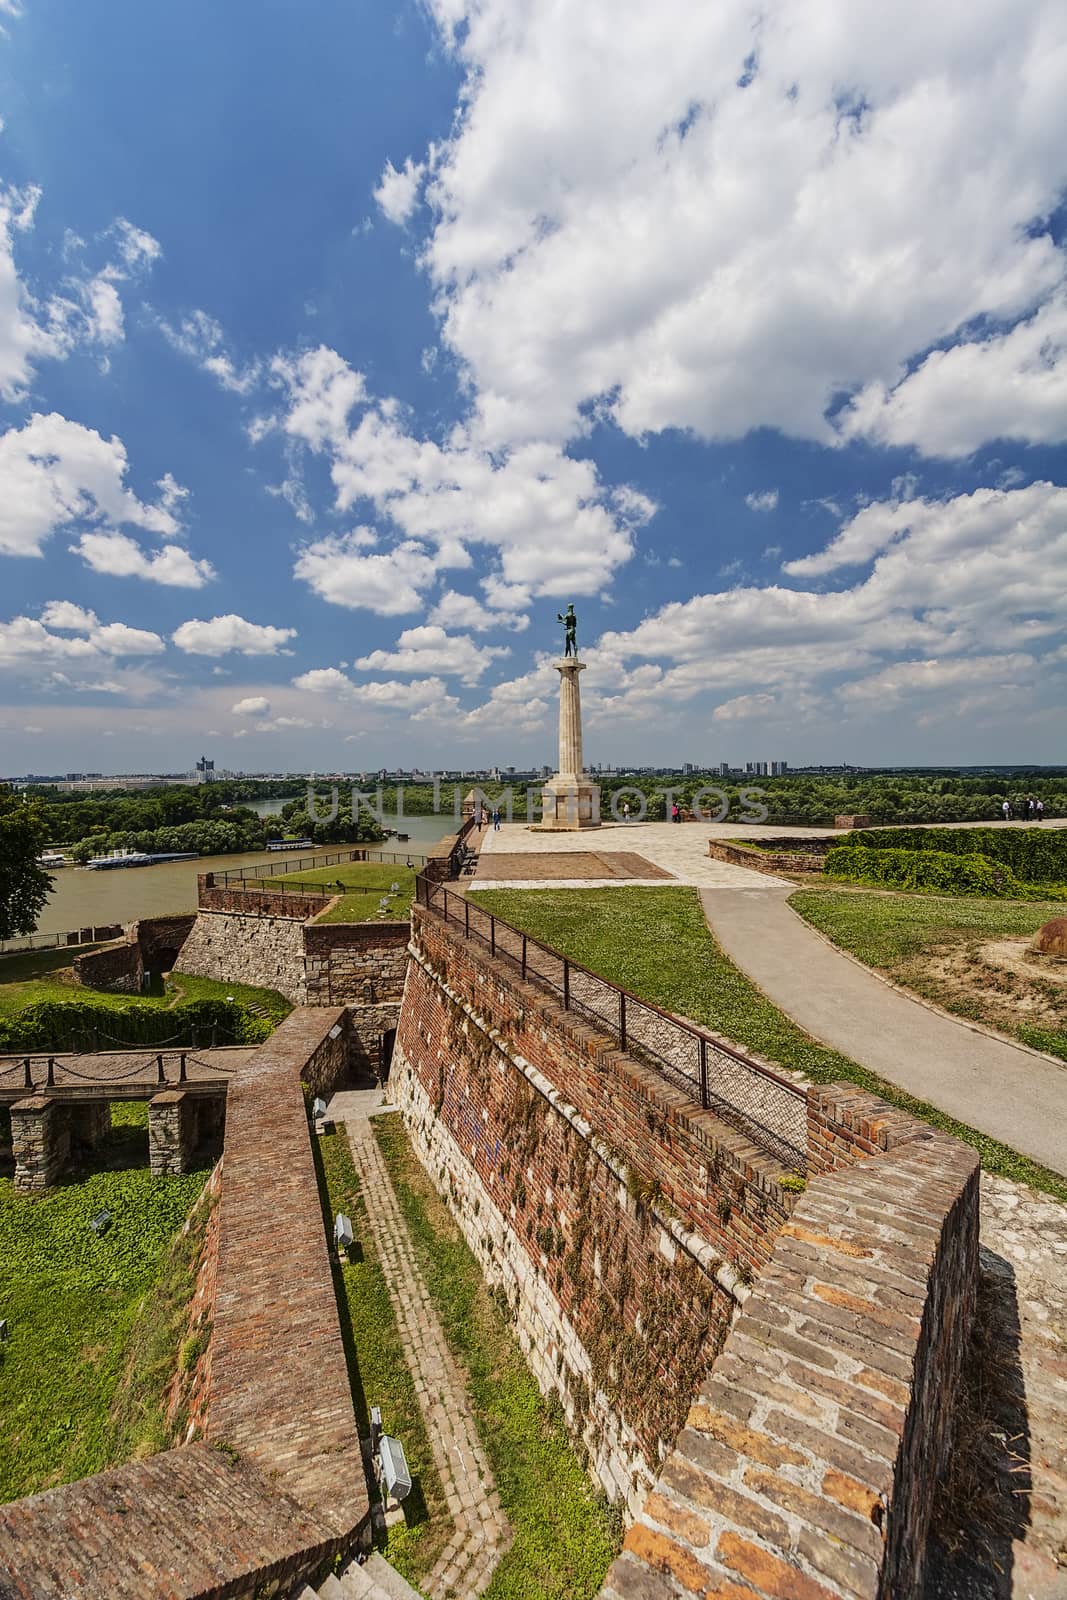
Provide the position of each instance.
(431, 649)
(122, 557)
(397, 193)
(221, 634)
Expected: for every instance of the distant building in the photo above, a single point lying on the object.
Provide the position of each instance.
(205, 770)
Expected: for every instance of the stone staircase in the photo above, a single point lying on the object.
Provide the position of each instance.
(374, 1580)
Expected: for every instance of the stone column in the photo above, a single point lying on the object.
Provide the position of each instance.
(569, 800)
(570, 720)
(40, 1140)
(172, 1132)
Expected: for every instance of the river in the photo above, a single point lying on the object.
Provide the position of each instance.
(82, 899)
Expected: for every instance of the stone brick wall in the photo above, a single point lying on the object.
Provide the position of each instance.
(189, 1388)
(363, 962)
(795, 855)
(807, 1467)
(622, 1222)
(40, 1141)
(264, 950)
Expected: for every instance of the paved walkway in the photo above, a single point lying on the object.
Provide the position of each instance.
(482, 1532)
(1002, 1089)
(680, 849)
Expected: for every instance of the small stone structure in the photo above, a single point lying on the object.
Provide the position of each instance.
(180, 1124)
(571, 799)
(788, 855)
(859, 819)
(40, 1141)
(152, 945)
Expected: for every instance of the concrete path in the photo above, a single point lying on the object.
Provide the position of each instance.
(482, 1532)
(1002, 1089)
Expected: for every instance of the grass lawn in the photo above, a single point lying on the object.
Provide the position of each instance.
(566, 1535)
(377, 1370)
(95, 1322)
(47, 975)
(364, 884)
(932, 945)
(656, 942)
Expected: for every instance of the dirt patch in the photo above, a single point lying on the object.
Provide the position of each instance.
(989, 982)
(597, 866)
(1012, 956)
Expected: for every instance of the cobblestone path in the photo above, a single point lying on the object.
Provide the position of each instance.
(482, 1532)
(1024, 1261)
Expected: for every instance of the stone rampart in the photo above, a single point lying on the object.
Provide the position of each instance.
(622, 1222)
(117, 970)
(361, 962)
(279, 1487)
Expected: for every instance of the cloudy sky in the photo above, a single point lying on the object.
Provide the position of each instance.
(342, 344)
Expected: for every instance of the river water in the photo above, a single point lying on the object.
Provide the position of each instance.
(82, 899)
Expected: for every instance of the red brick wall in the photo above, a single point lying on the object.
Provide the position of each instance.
(601, 1170)
(261, 902)
(794, 856)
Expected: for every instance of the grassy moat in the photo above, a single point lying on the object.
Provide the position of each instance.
(95, 1323)
(565, 1534)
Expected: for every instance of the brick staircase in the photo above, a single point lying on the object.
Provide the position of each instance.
(374, 1580)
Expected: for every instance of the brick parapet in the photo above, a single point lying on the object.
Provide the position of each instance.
(261, 902)
(808, 1464)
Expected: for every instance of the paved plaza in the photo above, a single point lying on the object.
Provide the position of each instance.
(680, 849)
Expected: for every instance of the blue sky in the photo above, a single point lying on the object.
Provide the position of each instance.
(341, 345)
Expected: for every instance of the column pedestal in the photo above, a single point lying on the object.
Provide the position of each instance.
(570, 800)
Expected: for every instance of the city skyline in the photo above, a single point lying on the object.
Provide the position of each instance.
(335, 364)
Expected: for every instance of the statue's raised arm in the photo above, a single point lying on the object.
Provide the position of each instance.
(570, 624)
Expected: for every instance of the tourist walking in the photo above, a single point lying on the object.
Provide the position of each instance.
(626, 811)
(676, 815)
(1039, 808)
(1006, 810)
(496, 821)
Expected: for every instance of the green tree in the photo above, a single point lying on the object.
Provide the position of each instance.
(24, 886)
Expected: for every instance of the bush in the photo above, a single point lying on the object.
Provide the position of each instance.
(932, 872)
(80, 1025)
(1034, 855)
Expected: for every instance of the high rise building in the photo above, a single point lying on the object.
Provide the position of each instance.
(205, 770)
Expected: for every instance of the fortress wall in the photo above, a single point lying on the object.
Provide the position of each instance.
(280, 1488)
(814, 1417)
(622, 1223)
(264, 950)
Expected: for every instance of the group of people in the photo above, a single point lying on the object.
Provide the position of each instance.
(483, 818)
(1030, 810)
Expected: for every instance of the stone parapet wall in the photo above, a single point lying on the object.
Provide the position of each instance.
(711, 1175)
(791, 855)
(279, 1488)
(808, 1465)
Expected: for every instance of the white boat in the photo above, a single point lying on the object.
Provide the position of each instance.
(290, 844)
(136, 858)
(53, 858)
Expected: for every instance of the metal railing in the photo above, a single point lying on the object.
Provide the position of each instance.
(285, 866)
(37, 1071)
(60, 941)
(766, 1108)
